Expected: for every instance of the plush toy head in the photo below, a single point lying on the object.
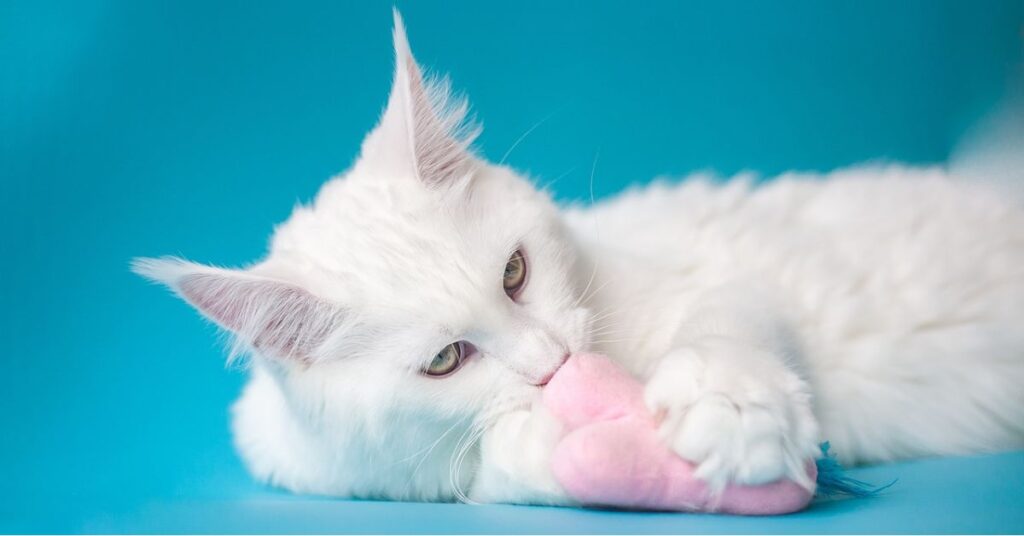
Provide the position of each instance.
(612, 456)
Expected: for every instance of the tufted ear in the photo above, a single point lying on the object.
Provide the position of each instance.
(274, 318)
(423, 130)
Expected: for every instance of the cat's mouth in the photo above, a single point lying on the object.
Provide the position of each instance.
(551, 374)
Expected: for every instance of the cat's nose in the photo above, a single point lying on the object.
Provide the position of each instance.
(547, 377)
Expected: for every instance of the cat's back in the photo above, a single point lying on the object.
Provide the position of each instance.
(795, 210)
(893, 224)
(891, 238)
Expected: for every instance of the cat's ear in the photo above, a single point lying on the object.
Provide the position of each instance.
(272, 317)
(423, 131)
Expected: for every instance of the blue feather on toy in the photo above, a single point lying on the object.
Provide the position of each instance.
(833, 481)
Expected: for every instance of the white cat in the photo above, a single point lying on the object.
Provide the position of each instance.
(403, 325)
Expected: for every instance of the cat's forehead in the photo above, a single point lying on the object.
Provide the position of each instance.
(390, 244)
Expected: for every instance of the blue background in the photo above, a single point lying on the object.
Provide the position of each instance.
(148, 128)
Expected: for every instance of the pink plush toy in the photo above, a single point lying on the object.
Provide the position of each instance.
(611, 455)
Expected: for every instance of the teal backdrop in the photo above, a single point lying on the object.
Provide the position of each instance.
(133, 128)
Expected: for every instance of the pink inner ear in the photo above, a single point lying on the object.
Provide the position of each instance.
(273, 317)
(441, 154)
(423, 131)
(214, 297)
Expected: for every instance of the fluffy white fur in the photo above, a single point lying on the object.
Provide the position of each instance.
(878, 307)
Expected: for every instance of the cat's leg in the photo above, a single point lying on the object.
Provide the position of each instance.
(731, 395)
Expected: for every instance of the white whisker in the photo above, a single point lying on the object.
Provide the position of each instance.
(522, 137)
(593, 170)
(586, 289)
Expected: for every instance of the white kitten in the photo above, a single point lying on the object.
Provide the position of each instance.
(402, 326)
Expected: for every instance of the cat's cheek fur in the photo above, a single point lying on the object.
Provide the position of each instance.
(315, 432)
(272, 443)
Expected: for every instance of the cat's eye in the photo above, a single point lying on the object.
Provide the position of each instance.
(515, 273)
(447, 360)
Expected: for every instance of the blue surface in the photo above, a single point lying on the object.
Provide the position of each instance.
(968, 495)
(148, 128)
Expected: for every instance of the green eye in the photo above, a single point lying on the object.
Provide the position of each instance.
(515, 274)
(446, 361)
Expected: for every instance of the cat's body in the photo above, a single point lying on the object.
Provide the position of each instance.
(876, 307)
(897, 292)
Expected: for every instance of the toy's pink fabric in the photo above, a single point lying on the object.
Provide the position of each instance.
(611, 455)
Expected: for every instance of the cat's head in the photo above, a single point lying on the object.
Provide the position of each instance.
(423, 287)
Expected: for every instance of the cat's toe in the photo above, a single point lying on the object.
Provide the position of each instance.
(730, 443)
(705, 428)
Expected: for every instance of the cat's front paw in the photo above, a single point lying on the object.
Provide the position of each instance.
(736, 412)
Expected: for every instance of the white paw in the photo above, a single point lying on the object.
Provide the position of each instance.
(736, 412)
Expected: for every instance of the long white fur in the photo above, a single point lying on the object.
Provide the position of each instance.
(877, 306)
